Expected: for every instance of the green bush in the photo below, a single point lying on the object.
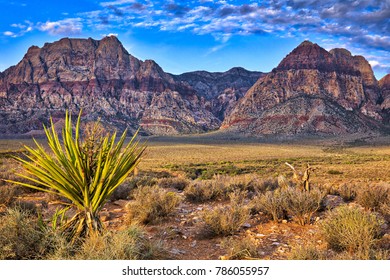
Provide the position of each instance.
(151, 204)
(84, 170)
(226, 220)
(352, 230)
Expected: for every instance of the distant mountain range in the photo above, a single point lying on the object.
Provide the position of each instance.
(312, 91)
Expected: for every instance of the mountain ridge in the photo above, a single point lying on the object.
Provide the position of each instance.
(311, 91)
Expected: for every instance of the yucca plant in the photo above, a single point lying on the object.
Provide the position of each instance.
(84, 170)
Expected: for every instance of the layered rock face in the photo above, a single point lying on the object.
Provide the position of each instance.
(221, 90)
(384, 85)
(311, 91)
(106, 81)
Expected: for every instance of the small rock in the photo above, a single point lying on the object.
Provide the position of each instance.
(121, 202)
(333, 201)
(284, 221)
(246, 225)
(193, 244)
(260, 235)
(275, 243)
(199, 208)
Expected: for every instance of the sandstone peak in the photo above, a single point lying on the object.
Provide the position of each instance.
(340, 52)
(385, 82)
(306, 56)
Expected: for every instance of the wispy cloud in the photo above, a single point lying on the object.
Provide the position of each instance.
(70, 26)
(363, 23)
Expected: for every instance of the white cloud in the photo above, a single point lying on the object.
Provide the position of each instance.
(70, 26)
(9, 33)
(110, 34)
(116, 3)
(374, 63)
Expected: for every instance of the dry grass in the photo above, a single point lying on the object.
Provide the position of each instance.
(226, 220)
(241, 248)
(151, 205)
(372, 197)
(269, 203)
(301, 205)
(223, 168)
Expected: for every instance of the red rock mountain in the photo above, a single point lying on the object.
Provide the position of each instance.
(311, 91)
(105, 80)
(221, 90)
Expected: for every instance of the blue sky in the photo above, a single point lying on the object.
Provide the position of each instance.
(212, 35)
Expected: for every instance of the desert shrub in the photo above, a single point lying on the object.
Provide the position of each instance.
(270, 203)
(129, 244)
(301, 205)
(372, 197)
(123, 191)
(8, 194)
(347, 192)
(151, 204)
(225, 220)
(385, 210)
(351, 229)
(335, 172)
(306, 252)
(241, 248)
(20, 236)
(264, 185)
(207, 190)
(178, 183)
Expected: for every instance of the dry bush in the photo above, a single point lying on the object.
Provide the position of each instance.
(306, 252)
(225, 220)
(347, 192)
(372, 197)
(264, 185)
(123, 191)
(129, 244)
(352, 230)
(270, 203)
(207, 190)
(301, 205)
(151, 204)
(241, 248)
(20, 236)
(178, 183)
(248, 182)
(8, 194)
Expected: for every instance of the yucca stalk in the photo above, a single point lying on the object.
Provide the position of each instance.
(85, 171)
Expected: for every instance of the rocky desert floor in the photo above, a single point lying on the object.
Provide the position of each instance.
(174, 164)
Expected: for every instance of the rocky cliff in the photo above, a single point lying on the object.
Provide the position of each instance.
(221, 90)
(311, 91)
(104, 79)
